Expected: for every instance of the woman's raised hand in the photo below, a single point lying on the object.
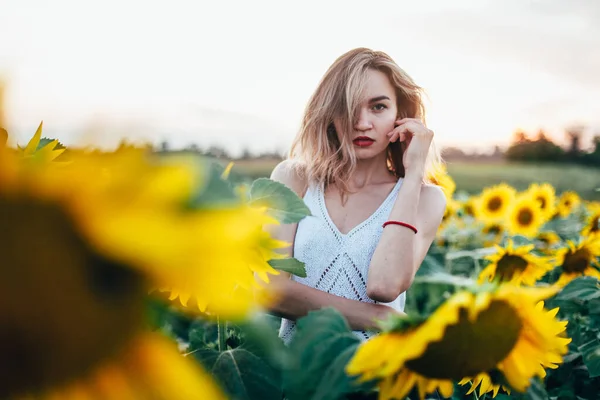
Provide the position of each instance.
(416, 139)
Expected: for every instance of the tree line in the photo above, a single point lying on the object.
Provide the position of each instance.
(540, 148)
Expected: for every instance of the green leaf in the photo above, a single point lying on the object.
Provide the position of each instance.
(260, 337)
(518, 240)
(216, 191)
(291, 265)
(282, 203)
(401, 323)
(584, 288)
(429, 266)
(241, 374)
(321, 348)
(591, 356)
(536, 391)
(45, 141)
(594, 306)
(444, 278)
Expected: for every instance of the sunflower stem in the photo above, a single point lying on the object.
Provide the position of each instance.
(221, 332)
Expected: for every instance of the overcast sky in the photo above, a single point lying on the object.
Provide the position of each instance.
(239, 73)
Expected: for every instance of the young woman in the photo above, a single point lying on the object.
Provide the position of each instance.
(360, 162)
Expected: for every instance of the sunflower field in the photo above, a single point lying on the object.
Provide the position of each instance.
(132, 274)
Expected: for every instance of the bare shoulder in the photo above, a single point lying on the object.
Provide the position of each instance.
(292, 174)
(432, 199)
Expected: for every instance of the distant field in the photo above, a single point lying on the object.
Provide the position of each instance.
(473, 177)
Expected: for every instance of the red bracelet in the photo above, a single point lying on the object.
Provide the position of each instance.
(409, 226)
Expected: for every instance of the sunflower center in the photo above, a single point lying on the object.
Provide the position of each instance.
(542, 201)
(495, 203)
(471, 347)
(509, 265)
(494, 229)
(67, 307)
(595, 224)
(577, 262)
(469, 209)
(525, 217)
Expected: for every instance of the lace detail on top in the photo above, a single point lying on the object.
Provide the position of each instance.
(335, 262)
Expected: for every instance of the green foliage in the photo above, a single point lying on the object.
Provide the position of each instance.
(242, 375)
(281, 202)
(45, 141)
(322, 346)
(291, 265)
(216, 191)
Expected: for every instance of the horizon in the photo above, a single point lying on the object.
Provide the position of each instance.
(239, 75)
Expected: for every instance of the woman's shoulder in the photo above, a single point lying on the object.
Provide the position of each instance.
(291, 173)
(432, 201)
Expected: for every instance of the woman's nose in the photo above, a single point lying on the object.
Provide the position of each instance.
(362, 121)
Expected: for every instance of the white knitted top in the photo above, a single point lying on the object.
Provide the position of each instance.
(338, 263)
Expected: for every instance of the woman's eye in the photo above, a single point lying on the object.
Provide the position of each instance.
(379, 107)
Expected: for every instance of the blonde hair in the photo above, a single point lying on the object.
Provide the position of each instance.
(327, 157)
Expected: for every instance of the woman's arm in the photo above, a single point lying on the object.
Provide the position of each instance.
(294, 299)
(400, 251)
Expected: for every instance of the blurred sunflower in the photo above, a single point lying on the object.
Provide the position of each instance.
(516, 265)
(86, 241)
(592, 226)
(45, 152)
(579, 259)
(452, 207)
(472, 334)
(494, 232)
(494, 202)
(547, 240)
(468, 206)
(439, 176)
(138, 210)
(149, 368)
(567, 202)
(484, 382)
(525, 216)
(546, 197)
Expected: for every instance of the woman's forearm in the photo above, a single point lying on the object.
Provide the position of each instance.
(392, 265)
(295, 300)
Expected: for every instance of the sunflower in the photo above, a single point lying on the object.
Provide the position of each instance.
(82, 245)
(485, 382)
(494, 232)
(547, 240)
(468, 206)
(567, 202)
(546, 197)
(592, 226)
(439, 176)
(494, 202)
(137, 209)
(579, 259)
(452, 207)
(516, 265)
(147, 357)
(525, 217)
(46, 152)
(479, 333)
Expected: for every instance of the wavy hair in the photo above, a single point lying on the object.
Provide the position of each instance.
(328, 157)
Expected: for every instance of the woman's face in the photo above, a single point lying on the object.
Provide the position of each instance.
(375, 117)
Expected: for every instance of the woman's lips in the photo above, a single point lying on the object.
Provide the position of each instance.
(363, 141)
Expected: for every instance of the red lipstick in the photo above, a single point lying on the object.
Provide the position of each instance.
(363, 141)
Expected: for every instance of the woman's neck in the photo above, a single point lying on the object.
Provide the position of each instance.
(370, 171)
